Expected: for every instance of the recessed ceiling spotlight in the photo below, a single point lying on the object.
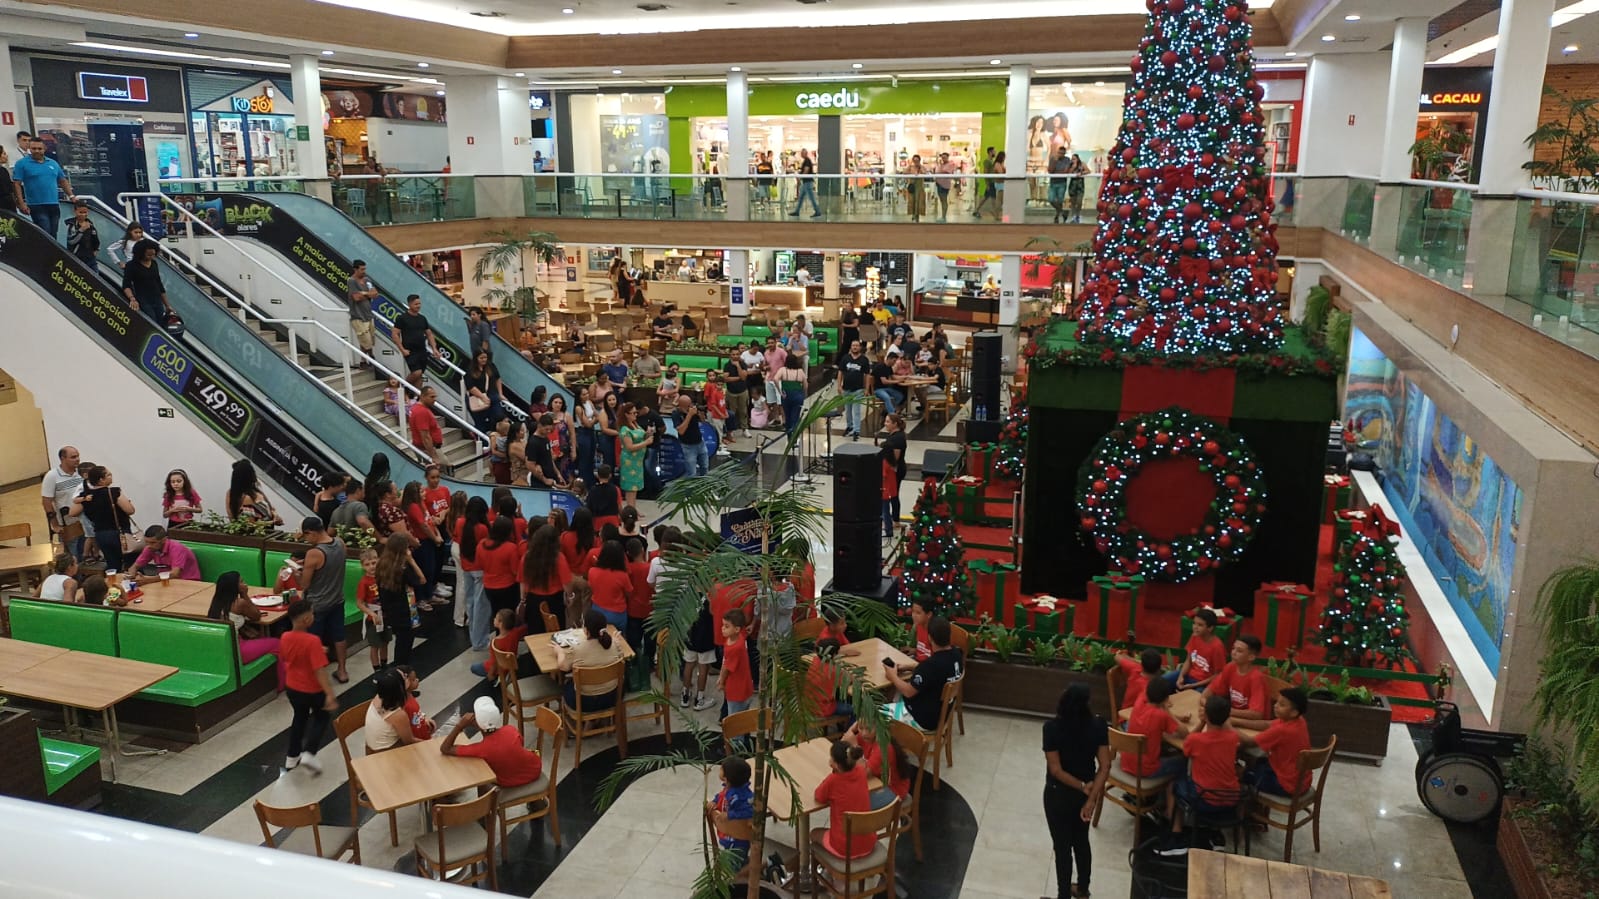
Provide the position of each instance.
(521, 74)
(1570, 48)
(1352, 17)
(736, 69)
(616, 71)
(994, 62)
(327, 52)
(1328, 38)
(856, 65)
(1291, 54)
(421, 65)
(1099, 84)
(191, 35)
(439, 93)
(567, 10)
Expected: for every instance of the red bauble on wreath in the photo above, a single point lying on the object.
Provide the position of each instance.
(1223, 457)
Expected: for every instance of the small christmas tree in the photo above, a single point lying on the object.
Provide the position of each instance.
(1010, 457)
(1185, 257)
(935, 559)
(1366, 622)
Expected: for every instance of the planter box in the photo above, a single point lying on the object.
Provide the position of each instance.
(1030, 689)
(21, 771)
(277, 544)
(1362, 730)
(194, 535)
(1519, 864)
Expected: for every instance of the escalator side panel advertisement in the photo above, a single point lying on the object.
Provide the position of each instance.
(212, 396)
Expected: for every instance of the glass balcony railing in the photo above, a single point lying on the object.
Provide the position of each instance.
(1554, 259)
(405, 199)
(1359, 199)
(280, 183)
(1434, 227)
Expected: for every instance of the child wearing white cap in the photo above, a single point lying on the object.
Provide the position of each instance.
(513, 764)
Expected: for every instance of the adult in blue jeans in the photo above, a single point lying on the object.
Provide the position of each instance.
(884, 386)
(686, 425)
(893, 452)
(853, 370)
(791, 382)
(38, 179)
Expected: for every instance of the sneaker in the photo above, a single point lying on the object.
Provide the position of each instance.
(1174, 847)
(291, 762)
(705, 702)
(816, 215)
(309, 761)
(443, 592)
(688, 700)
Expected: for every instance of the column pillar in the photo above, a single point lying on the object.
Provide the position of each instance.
(1404, 97)
(309, 149)
(10, 114)
(1306, 276)
(738, 288)
(830, 276)
(1010, 293)
(490, 138)
(735, 162)
(1014, 208)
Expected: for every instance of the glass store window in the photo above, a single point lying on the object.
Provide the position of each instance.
(241, 125)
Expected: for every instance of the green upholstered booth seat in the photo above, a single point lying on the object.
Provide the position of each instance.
(83, 628)
(205, 652)
(63, 761)
(215, 559)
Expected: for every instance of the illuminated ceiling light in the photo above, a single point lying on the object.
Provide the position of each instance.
(856, 65)
(736, 69)
(1352, 17)
(191, 35)
(616, 71)
(567, 10)
(1291, 54)
(994, 62)
(1570, 48)
(1099, 84)
(521, 74)
(327, 52)
(439, 93)
(421, 65)
(1328, 38)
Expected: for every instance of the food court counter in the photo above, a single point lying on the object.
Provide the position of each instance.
(938, 302)
(688, 294)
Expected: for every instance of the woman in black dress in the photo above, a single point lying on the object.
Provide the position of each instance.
(481, 384)
(1077, 762)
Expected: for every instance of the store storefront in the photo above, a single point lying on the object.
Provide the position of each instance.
(242, 124)
(366, 128)
(1451, 125)
(113, 128)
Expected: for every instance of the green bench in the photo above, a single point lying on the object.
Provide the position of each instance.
(83, 628)
(206, 654)
(273, 561)
(64, 762)
(215, 559)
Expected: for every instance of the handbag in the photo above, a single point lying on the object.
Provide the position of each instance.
(131, 542)
(477, 403)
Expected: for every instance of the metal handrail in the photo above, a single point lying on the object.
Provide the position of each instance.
(1559, 196)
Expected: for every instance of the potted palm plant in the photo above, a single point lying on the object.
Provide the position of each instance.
(509, 254)
(1440, 155)
(791, 519)
(1573, 137)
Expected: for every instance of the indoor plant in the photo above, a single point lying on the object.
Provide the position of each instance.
(1440, 155)
(1547, 830)
(1573, 135)
(509, 254)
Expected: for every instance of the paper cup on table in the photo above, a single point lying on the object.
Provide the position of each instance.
(166, 578)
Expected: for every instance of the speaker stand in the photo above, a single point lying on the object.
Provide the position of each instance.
(822, 463)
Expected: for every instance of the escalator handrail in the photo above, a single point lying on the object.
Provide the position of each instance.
(338, 339)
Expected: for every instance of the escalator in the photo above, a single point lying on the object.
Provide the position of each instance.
(321, 241)
(290, 422)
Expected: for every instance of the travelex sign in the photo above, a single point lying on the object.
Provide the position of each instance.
(843, 99)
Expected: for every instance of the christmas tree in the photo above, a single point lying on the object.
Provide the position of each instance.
(1010, 456)
(1366, 622)
(935, 559)
(1185, 260)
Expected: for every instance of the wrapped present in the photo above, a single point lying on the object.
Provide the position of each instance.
(1345, 521)
(1228, 623)
(965, 497)
(980, 460)
(1280, 608)
(998, 586)
(1335, 496)
(1111, 612)
(1046, 614)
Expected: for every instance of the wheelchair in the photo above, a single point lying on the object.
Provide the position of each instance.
(1460, 777)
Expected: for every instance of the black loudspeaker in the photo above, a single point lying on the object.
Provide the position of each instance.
(983, 431)
(936, 463)
(986, 351)
(857, 483)
(857, 554)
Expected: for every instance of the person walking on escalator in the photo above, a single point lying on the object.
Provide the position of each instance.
(9, 195)
(83, 241)
(141, 284)
(415, 336)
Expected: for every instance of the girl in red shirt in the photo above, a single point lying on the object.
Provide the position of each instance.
(501, 559)
(640, 601)
(899, 783)
(842, 792)
(545, 575)
(578, 540)
(471, 531)
(611, 584)
(420, 525)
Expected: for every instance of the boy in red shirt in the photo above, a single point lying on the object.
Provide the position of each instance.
(821, 683)
(507, 637)
(920, 615)
(1152, 718)
(1278, 773)
(1243, 685)
(1212, 784)
(1205, 655)
(1138, 674)
(727, 597)
(308, 686)
(512, 763)
(735, 681)
(366, 599)
(422, 727)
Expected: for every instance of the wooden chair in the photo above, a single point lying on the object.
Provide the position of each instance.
(939, 737)
(913, 743)
(741, 724)
(1136, 793)
(462, 839)
(305, 834)
(538, 797)
(551, 623)
(20, 531)
(1116, 681)
(655, 710)
(345, 726)
(594, 723)
(845, 877)
(517, 695)
(961, 639)
(809, 630)
(1297, 810)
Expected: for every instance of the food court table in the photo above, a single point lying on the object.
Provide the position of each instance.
(19, 655)
(198, 605)
(416, 773)
(869, 654)
(27, 562)
(543, 648)
(1220, 875)
(1183, 702)
(86, 680)
(808, 763)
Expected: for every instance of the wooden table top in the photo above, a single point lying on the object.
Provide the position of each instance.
(808, 763)
(1221, 875)
(417, 772)
(195, 605)
(20, 655)
(25, 558)
(83, 680)
(869, 655)
(1183, 702)
(158, 597)
(543, 649)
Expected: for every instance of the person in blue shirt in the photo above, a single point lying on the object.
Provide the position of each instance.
(37, 180)
(733, 809)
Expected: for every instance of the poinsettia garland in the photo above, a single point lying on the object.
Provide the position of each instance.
(1173, 432)
(1010, 454)
(1321, 364)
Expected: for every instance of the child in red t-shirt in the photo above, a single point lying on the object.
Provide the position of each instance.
(422, 727)
(836, 627)
(307, 685)
(366, 599)
(821, 682)
(1152, 719)
(1138, 673)
(898, 784)
(1212, 783)
(735, 681)
(921, 613)
(1278, 773)
(507, 637)
(1205, 655)
(842, 792)
(1243, 685)
(639, 602)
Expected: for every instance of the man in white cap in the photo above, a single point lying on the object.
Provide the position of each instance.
(512, 763)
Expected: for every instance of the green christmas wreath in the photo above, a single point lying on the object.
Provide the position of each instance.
(1230, 523)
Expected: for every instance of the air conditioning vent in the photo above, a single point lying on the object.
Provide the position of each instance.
(489, 14)
(811, 2)
(653, 7)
